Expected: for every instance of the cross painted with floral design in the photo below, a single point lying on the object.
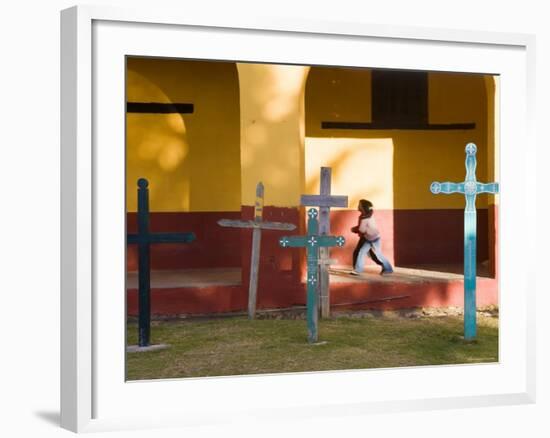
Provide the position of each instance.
(312, 242)
(470, 188)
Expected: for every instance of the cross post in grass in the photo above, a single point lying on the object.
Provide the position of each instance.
(313, 241)
(470, 188)
(324, 201)
(143, 239)
(257, 226)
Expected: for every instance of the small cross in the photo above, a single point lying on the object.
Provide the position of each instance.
(257, 225)
(324, 201)
(312, 242)
(143, 239)
(470, 188)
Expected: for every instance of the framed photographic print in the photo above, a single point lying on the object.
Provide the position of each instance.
(253, 208)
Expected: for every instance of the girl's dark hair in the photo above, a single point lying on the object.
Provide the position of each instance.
(366, 207)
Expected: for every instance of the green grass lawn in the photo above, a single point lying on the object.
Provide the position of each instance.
(230, 346)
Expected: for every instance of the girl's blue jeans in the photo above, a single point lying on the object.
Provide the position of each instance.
(375, 246)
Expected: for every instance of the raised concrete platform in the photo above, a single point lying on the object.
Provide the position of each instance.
(338, 274)
(219, 290)
(189, 278)
(417, 274)
(441, 286)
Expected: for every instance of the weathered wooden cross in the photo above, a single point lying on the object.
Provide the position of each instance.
(313, 242)
(470, 188)
(324, 201)
(257, 225)
(144, 239)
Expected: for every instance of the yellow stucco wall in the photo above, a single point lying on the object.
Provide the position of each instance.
(394, 168)
(492, 84)
(272, 132)
(262, 122)
(192, 161)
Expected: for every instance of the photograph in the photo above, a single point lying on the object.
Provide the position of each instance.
(285, 218)
(275, 220)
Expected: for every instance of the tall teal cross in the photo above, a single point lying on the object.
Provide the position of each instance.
(312, 241)
(470, 188)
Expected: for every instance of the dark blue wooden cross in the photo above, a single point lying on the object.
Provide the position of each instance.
(143, 239)
(470, 188)
(312, 241)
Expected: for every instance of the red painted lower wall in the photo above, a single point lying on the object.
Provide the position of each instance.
(414, 237)
(409, 237)
(493, 240)
(277, 264)
(214, 247)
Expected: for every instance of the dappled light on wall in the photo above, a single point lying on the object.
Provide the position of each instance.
(286, 86)
(272, 134)
(361, 168)
(180, 133)
(157, 149)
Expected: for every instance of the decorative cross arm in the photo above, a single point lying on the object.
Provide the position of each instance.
(311, 241)
(233, 223)
(492, 188)
(324, 200)
(450, 187)
(446, 188)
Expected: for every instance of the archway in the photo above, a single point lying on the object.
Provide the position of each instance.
(185, 139)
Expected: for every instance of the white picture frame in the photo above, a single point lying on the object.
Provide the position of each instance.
(94, 396)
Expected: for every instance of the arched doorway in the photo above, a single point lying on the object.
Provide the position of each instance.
(183, 135)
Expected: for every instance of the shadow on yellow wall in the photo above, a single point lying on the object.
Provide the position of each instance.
(272, 131)
(257, 122)
(191, 160)
(394, 168)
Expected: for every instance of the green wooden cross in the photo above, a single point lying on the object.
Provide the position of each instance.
(469, 188)
(312, 241)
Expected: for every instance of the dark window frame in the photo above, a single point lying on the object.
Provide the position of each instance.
(399, 100)
(399, 97)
